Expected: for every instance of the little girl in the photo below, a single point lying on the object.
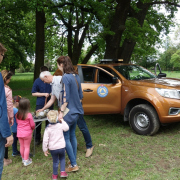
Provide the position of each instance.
(54, 141)
(7, 78)
(25, 129)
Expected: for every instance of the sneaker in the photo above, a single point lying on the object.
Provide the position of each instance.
(7, 162)
(24, 160)
(27, 162)
(89, 151)
(16, 154)
(54, 177)
(64, 174)
(72, 168)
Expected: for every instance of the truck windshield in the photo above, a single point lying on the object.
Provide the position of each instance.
(134, 72)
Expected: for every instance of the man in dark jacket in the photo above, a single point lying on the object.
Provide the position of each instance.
(6, 139)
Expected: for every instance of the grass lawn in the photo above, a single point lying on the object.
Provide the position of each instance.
(119, 153)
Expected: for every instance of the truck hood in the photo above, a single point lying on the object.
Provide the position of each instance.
(158, 83)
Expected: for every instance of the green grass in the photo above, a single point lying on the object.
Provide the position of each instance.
(119, 153)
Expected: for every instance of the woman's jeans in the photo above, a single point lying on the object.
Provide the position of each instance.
(71, 143)
(2, 149)
(58, 155)
(84, 129)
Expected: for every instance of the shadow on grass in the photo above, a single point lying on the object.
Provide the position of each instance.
(109, 121)
(172, 128)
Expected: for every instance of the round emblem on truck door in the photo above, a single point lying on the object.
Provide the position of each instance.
(102, 91)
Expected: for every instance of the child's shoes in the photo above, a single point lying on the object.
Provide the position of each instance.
(54, 177)
(64, 174)
(16, 153)
(27, 162)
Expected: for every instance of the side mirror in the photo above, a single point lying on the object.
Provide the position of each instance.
(115, 79)
(160, 75)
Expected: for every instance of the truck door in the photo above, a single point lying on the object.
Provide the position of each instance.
(100, 94)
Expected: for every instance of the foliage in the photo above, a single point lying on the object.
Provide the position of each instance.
(83, 29)
(13, 32)
(175, 59)
(165, 59)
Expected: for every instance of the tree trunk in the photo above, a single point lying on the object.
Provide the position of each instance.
(125, 52)
(118, 20)
(89, 54)
(40, 37)
(12, 68)
(69, 36)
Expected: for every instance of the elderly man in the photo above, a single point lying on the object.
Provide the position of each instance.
(42, 91)
(56, 93)
(6, 139)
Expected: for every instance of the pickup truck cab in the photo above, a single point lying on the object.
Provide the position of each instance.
(145, 99)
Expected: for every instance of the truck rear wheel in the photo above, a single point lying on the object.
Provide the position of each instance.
(144, 119)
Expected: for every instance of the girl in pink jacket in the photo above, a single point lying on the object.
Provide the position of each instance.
(25, 127)
(54, 141)
(8, 92)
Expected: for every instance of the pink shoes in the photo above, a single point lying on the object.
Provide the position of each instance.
(64, 174)
(54, 177)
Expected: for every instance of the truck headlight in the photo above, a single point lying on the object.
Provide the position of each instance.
(168, 93)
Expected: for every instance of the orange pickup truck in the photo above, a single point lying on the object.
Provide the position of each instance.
(146, 100)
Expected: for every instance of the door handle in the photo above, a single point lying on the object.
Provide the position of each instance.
(88, 90)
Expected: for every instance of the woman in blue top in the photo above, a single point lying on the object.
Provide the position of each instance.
(72, 98)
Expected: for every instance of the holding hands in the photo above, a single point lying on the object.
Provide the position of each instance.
(60, 117)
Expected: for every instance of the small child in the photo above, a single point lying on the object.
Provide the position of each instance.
(54, 141)
(16, 100)
(25, 129)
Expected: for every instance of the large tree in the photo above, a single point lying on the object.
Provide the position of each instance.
(109, 28)
(14, 34)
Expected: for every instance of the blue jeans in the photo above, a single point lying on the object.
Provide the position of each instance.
(84, 129)
(2, 148)
(58, 155)
(14, 145)
(71, 143)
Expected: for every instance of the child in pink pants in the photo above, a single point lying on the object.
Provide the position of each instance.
(25, 129)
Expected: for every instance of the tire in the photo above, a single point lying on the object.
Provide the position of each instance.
(144, 120)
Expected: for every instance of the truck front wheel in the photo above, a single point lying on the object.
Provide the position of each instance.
(144, 119)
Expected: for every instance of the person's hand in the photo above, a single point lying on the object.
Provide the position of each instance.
(46, 94)
(46, 153)
(10, 140)
(11, 121)
(60, 120)
(60, 117)
(39, 110)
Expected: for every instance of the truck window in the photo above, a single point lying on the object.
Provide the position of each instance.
(110, 70)
(103, 77)
(88, 74)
